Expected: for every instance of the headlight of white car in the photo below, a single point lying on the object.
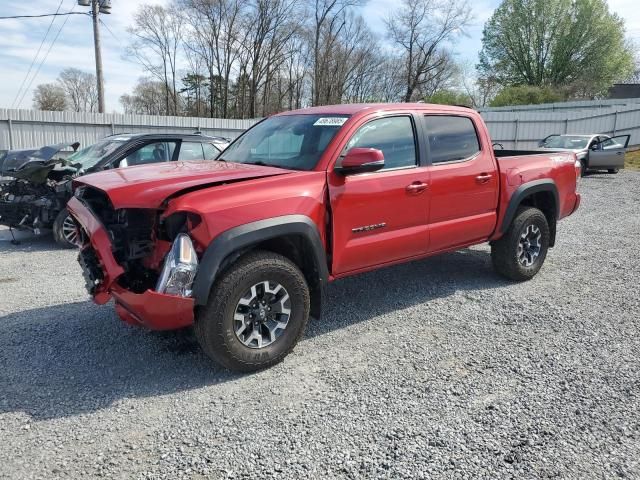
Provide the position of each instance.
(180, 267)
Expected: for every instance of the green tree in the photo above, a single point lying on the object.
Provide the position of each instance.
(449, 97)
(525, 95)
(574, 44)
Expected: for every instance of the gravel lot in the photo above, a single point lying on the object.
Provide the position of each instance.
(434, 369)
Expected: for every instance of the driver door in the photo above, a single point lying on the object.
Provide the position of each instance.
(380, 217)
(610, 153)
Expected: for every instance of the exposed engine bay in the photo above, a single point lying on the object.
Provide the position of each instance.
(25, 205)
(134, 233)
(38, 188)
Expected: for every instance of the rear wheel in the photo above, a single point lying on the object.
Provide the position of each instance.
(520, 253)
(257, 312)
(65, 232)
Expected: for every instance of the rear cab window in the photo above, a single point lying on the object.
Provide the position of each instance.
(452, 138)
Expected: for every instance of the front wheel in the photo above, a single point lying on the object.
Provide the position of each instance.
(520, 253)
(257, 312)
(613, 170)
(65, 232)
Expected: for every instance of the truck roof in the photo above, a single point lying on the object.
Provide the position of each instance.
(353, 108)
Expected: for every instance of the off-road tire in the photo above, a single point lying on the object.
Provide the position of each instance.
(58, 233)
(504, 252)
(613, 170)
(214, 324)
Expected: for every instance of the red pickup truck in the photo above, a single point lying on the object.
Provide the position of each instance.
(243, 248)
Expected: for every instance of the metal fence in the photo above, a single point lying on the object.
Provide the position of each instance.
(515, 127)
(523, 126)
(32, 128)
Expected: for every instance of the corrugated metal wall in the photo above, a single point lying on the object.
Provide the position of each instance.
(523, 126)
(515, 127)
(32, 128)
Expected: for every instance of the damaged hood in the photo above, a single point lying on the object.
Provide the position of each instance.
(148, 186)
(33, 165)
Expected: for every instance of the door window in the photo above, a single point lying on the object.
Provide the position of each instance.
(393, 135)
(151, 153)
(609, 143)
(451, 138)
(210, 151)
(190, 151)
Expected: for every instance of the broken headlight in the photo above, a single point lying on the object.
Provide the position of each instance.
(179, 270)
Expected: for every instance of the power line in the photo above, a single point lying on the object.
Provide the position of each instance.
(24, 80)
(45, 57)
(44, 15)
(109, 30)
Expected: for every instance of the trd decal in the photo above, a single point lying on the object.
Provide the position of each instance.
(368, 228)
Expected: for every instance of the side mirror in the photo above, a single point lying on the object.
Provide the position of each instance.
(123, 163)
(360, 160)
(595, 147)
(541, 143)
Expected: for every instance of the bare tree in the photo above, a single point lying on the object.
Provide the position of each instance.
(80, 89)
(213, 37)
(422, 29)
(480, 89)
(49, 96)
(157, 33)
(148, 98)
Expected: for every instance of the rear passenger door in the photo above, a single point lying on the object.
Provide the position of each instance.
(463, 189)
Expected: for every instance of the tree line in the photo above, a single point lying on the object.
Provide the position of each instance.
(246, 59)
(251, 58)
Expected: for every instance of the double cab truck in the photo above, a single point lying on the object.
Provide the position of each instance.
(242, 248)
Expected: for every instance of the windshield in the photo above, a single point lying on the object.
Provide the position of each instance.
(566, 141)
(290, 141)
(90, 156)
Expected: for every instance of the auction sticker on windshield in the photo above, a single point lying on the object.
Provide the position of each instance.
(330, 122)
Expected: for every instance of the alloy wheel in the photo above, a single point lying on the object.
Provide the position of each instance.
(262, 314)
(529, 245)
(70, 231)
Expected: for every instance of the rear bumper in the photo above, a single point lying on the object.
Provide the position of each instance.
(150, 309)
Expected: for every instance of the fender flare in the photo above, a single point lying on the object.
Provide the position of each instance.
(243, 236)
(525, 190)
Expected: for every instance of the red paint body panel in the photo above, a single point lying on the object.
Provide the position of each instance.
(148, 186)
(101, 243)
(365, 221)
(153, 310)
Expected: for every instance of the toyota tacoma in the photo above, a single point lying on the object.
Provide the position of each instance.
(242, 248)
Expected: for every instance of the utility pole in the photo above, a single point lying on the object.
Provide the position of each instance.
(95, 11)
(98, 7)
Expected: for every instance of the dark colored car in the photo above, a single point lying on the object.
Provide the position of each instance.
(242, 248)
(36, 194)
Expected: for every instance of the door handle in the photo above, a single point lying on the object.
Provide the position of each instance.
(483, 178)
(416, 187)
(619, 153)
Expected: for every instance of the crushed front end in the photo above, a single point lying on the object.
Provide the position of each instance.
(145, 262)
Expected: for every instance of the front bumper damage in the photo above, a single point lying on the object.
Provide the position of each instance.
(156, 311)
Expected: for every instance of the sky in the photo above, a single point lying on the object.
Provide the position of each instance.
(21, 38)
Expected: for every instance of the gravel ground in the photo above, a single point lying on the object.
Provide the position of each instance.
(434, 369)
